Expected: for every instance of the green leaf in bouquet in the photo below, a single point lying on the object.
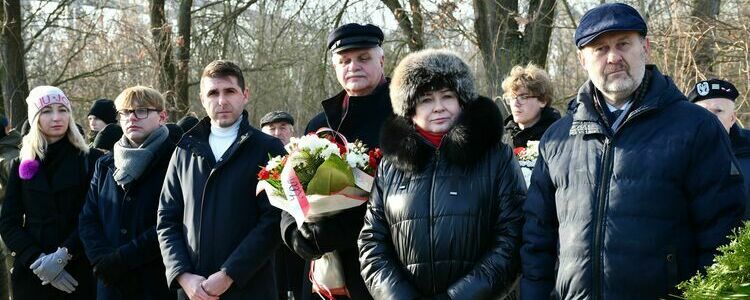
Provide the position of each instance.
(332, 176)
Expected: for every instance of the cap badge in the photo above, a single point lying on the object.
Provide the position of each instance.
(702, 88)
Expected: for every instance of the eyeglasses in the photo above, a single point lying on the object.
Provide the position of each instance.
(522, 99)
(140, 113)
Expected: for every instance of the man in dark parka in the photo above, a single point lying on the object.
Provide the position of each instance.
(718, 97)
(118, 221)
(635, 189)
(217, 237)
(357, 112)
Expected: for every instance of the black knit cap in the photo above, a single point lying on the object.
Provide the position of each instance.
(105, 110)
(714, 88)
(353, 35)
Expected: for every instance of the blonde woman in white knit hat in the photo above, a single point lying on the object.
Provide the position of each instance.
(45, 193)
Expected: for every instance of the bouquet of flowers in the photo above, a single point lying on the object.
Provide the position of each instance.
(527, 159)
(320, 176)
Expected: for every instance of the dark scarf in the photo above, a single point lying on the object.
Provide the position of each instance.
(519, 137)
(131, 161)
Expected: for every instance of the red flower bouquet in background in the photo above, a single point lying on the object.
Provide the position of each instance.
(319, 177)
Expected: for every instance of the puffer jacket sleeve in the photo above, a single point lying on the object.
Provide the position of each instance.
(540, 237)
(497, 270)
(16, 238)
(715, 187)
(90, 227)
(262, 241)
(379, 265)
(169, 227)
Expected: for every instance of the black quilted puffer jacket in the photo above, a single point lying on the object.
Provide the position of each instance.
(444, 222)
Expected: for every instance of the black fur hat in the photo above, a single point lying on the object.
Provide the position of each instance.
(428, 70)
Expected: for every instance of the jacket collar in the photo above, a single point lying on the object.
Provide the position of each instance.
(548, 116)
(740, 139)
(333, 110)
(661, 92)
(478, 128)
(196, 139)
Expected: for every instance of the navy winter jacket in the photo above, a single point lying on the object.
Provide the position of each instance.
(631, 213)
(209, 217)
(740, 139)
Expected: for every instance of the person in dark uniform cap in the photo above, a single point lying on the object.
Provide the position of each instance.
(718, 97)
(358, 112)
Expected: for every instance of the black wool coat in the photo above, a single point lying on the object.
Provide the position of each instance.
(444, 221)
(209, 217)
(124, 219)
(41, 214)
(362, 121)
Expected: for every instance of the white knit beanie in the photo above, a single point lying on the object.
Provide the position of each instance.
(42, 96)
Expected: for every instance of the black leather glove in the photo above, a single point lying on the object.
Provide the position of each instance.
(302, 246)
(110, 268)
(320, 232)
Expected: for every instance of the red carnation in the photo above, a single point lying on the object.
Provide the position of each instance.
(263, 174)
(342, 149)
(518, 150)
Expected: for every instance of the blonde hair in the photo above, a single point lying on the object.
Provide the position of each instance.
(34, 144)
(531, 77)
(139, 95)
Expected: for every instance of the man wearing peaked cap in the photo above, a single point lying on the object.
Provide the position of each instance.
(279, 124)
(636, 186)
(358, 112)
(718, 97)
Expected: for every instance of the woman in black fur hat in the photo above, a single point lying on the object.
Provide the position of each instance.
(444, 218)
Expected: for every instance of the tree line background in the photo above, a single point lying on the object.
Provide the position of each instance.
(94, 49)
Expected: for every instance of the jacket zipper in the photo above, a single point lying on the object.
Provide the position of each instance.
(203, 198)
(602, 201)
(432, 220)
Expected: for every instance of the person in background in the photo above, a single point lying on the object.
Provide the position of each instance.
(101, 114)
(118, 222)
(45, 192)
(444, 217)
(106, 138)
(635, 189)
(10, 143)
(279, 124)
(217, 237)
(289, 267)
(719, 97)
(528, 93)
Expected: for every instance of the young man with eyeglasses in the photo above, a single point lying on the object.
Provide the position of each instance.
(118, 222)
(528, 94)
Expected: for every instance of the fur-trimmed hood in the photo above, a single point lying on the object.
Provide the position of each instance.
(438, 68)
(477, 129)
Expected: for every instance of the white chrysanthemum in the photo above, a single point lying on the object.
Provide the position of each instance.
(273, 163)
(356, 160)
(331, 149)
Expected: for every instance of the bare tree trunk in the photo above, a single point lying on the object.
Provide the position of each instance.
(704, 13)
(497, 23)
(161, 34)
(15, 85)
(413, 29)
(181, 83)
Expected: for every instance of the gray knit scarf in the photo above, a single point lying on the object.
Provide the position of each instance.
(131, 161)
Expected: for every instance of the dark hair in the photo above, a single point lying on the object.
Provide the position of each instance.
(222, 69)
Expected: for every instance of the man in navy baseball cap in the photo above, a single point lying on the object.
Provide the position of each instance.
(634, 173)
